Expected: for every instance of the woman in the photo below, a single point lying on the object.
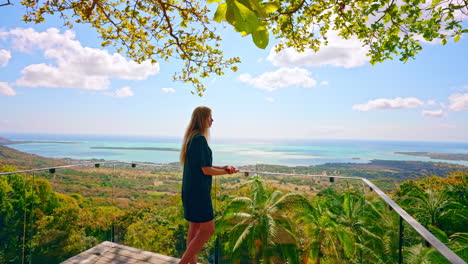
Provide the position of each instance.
(196, 156)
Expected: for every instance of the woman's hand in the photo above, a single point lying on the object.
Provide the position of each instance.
(231, 169)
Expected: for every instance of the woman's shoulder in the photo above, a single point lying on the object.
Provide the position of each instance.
(198, 138)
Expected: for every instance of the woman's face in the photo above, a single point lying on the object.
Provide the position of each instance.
(210, 120)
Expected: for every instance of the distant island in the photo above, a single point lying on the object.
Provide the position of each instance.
(439, 156)
(4, 141)
(139, 148)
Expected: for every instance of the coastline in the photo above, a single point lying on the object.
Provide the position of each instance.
(242, 154)
(437, 156)
(138, 148)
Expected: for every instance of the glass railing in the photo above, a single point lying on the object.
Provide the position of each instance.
(48, 215)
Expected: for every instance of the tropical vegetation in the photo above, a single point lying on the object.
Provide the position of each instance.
(47, 218)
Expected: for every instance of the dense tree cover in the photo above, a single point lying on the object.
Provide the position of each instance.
(167, 29)
(344, 225)
(387, 174)
(256, 222)
(39, 224)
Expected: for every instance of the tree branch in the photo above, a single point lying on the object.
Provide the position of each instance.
(171, 32)
(7, 3)
(91, 8)
(294, 10)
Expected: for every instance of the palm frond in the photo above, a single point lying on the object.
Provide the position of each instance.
(273, 197)
(418, 254)
(293, 201)
(243, 236)
(369, 253)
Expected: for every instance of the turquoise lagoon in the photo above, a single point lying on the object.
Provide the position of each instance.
(233, 152)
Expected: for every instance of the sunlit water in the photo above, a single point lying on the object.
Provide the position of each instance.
(284, 152)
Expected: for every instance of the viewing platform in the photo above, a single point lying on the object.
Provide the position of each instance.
(113, 253)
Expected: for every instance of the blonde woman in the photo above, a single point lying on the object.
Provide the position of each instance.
(196, 156)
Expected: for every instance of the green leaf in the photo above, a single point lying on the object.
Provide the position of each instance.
(457, 38)
(230, 17)
(106, 43)
(213, 1)
(254, 6)
(245, 19)
(464, 30)
(220, 14)
(441, 235)
(260, 37)
(457, 7)
(444, 41)
(271, 7)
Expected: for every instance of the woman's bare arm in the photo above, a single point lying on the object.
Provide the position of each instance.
(216, 170)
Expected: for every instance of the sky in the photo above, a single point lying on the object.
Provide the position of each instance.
(59, 81)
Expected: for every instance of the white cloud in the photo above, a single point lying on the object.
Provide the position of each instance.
(459, 102)
(168, 90)
(385, 104)
(6, 89)
(348, 53)
(270, 99)
(324, 83)
(431, 103)
(5, 57)
(434, 113)
(124, 92)
(76, 66)
(283, 77)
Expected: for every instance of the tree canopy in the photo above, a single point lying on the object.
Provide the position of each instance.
(187, 29)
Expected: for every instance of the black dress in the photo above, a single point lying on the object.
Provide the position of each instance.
(196, 186)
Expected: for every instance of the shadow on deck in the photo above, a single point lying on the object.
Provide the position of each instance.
(113, 253)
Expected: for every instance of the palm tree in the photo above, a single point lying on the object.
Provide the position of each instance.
(431, 207)
(261, 225)
(375, 228)
(325, 238)
(378, 233)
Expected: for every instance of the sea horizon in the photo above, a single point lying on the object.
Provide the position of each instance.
(50, 136)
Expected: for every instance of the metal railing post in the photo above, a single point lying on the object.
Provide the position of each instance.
(400, 242)
(216, 254)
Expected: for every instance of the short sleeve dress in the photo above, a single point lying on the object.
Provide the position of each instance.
(196, 186)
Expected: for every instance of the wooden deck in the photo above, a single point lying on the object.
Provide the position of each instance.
(113, 253)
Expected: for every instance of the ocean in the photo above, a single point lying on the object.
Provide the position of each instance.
(232, 152)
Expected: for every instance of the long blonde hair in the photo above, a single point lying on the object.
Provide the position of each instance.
(198, 124)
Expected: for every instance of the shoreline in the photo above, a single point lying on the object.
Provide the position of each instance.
(138, 148)
(437, 155)
(39, 141)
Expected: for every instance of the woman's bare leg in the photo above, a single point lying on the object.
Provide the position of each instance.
(194, 228)
(206, 230)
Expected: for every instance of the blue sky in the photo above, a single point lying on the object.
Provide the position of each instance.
(333, 94)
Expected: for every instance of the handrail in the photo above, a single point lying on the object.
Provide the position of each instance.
(428, 236)
(89, 163)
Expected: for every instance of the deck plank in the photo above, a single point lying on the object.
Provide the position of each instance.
(113, 253)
